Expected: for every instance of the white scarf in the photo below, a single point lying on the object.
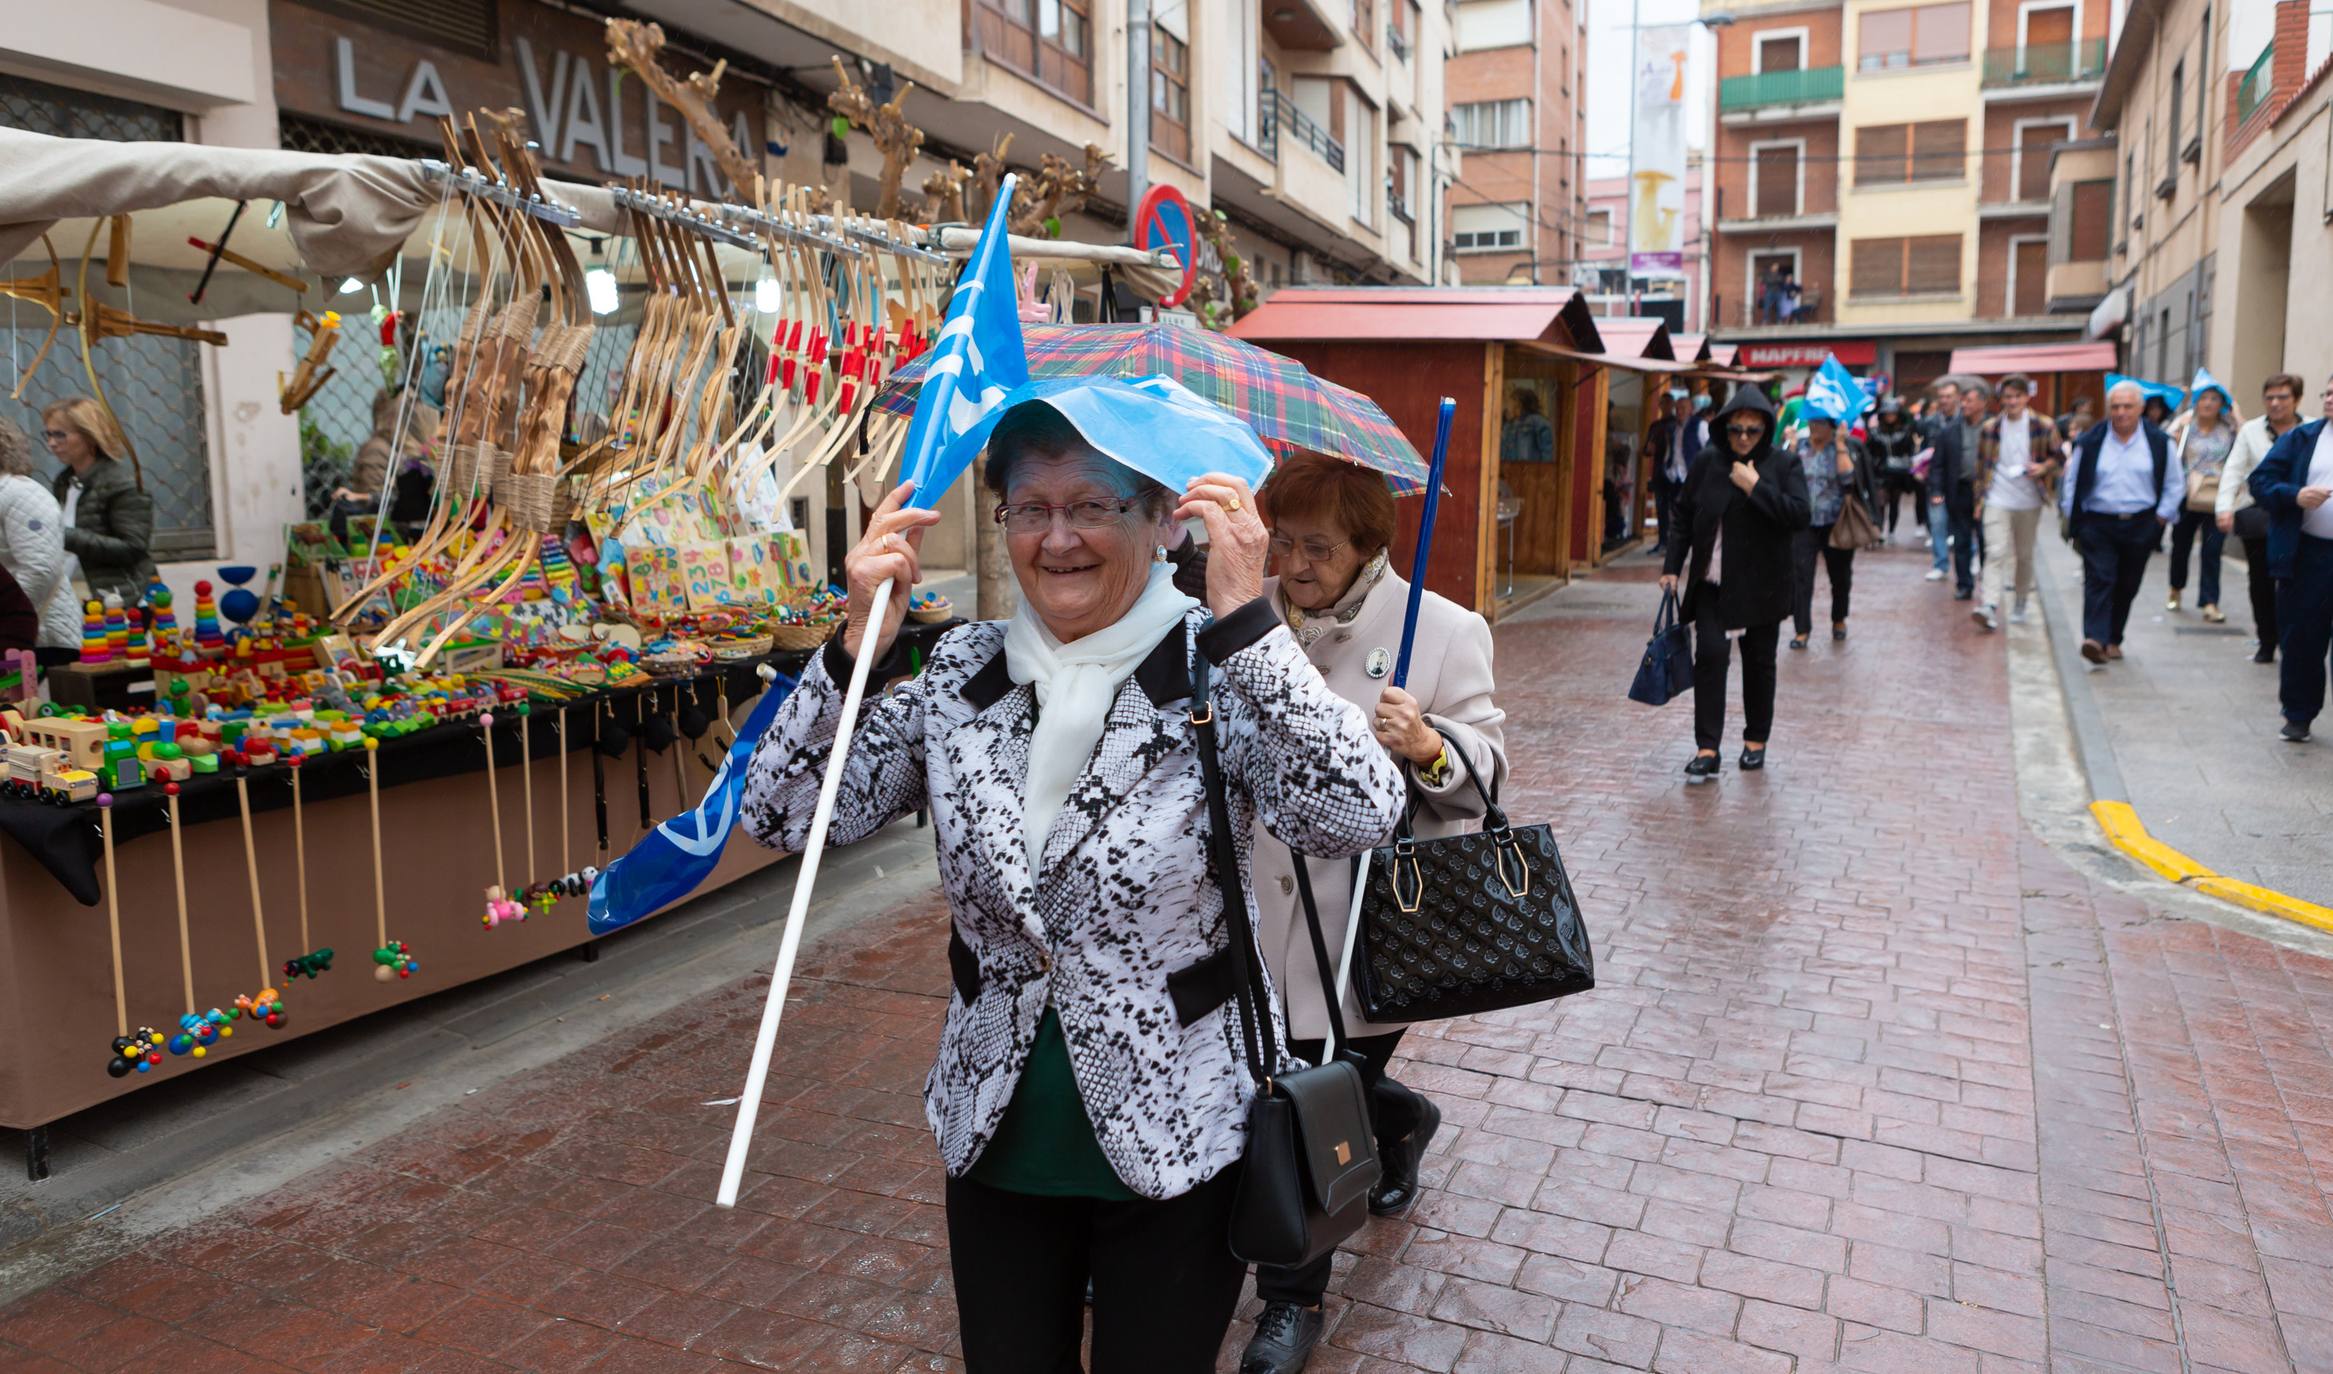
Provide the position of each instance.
(1075, 685)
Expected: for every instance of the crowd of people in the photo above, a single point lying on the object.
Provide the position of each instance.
(1748, 505)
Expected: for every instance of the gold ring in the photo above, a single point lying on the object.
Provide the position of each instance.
(1232, 505)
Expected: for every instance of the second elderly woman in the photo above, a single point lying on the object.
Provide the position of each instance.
(1332, 524)
(1090, 1096)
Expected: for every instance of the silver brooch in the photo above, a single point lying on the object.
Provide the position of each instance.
(1379, 662)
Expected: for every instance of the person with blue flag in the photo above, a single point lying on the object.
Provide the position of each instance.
(1090, 1095)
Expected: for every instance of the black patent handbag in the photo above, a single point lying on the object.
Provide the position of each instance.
(1469, 923)
(1311, 1154)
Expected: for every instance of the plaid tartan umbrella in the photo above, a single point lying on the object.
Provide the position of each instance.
(1291, 410)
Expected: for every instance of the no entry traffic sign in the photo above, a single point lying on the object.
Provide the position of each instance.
(1163, 220)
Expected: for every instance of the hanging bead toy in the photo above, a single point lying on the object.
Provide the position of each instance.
(265, 1005)
(143, 1050)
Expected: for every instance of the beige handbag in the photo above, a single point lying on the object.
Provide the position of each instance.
(1854, 529)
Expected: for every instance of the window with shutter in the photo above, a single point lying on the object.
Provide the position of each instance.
(1884, 39)
(1939, 150)
(1932, 263)
(1940, 34)
(1779, 54)
(2034, 142)
(1876, 267)
(1882, 154)
(2093, 221)
(1777, 172)
(2029, 268)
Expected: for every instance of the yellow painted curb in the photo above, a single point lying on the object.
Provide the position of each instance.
(2263, 900)
(2129, 834)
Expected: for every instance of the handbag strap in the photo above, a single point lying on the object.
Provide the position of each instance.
(1494, 819)
(1255, 1027)
(1665, 618)
(1320, 959)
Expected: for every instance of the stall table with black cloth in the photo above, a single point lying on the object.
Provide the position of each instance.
(438, 845)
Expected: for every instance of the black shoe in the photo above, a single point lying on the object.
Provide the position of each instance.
(1702, 769)
(2264, 654)
(1838, 632)
(1752, 759)
(1399, 1187)
(1798, 641)
(1965, 594)
(1285, 1336)
(2295, 731)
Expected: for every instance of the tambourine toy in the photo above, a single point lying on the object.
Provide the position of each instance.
(394, 960)
(141, 1052)
(266, 1006)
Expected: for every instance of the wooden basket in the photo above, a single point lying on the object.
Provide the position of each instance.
(800, 636)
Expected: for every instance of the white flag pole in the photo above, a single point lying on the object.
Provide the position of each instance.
(1352, 928)
(805, 879)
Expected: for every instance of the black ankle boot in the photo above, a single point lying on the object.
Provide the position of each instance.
(1399, 1187)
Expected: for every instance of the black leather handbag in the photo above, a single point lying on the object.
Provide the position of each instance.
(1469, 923)
(1666, 670)
(1311, 1154)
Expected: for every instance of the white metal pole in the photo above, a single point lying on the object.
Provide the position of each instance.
(1138, 80)
(805, 879)
(1352, 929)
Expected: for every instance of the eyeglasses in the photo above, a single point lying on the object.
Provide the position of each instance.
(55, 434)
(1034, 518)
(1747, 430)
(1315, 548)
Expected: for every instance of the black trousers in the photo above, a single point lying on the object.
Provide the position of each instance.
(1710, 657)
(1165, 1282)
(1664, 508)
(1394, 1112)
(2191, 524)
(2114, 562)
(2308, 630)
(1838, 565)
(2262, 587)
(1893, 487)
(1962, 525)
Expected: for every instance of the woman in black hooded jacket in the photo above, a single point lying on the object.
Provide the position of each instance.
(1742, 501)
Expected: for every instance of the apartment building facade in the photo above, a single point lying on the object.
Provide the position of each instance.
(2215, 125)
(1896, 159)
(1518, 97)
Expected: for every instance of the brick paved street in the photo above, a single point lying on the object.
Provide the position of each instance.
(1873, 1082)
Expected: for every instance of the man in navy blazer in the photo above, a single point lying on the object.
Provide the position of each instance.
(2123, 485)
(2294, 484)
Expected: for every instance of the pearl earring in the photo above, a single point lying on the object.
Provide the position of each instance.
(1159, 555)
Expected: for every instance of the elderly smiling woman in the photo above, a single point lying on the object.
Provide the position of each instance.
(1090, 1096)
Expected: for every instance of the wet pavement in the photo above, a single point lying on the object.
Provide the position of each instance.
(1872, 1081)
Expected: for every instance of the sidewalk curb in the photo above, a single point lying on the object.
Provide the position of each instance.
(2109, 805)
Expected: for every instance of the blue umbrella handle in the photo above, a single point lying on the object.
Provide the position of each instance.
(1409, 622)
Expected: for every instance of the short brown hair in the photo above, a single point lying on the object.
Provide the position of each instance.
(2293, 385)
(1346, 495)
(2017, 381)
(97, 425)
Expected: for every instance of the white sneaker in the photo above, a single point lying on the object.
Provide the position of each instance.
(1987, 617)
(2017, 614)
(1935, 575)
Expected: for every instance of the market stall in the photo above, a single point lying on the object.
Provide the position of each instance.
(2062, 373)
(1530, 420)
(402, 756)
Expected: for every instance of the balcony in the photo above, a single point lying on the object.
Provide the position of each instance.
(1397, 43)
(2259, 83)
(2043, 68)
(1396, 208)
(1283, 121)
(1768, 92)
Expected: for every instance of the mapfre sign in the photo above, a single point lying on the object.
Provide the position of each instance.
(592, 122)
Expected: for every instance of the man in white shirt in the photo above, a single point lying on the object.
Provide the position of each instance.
(2294, 483)
(2016, 459)
(2280, 400)
(2123, 487)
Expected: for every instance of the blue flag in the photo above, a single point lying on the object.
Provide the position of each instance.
(977, 359)
(2171, 396)
(669, 861)
(1834, 393)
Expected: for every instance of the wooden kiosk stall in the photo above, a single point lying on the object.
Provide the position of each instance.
(1526, 446)
(2062, 373)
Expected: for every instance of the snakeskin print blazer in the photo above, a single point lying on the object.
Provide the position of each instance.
(1122, 927)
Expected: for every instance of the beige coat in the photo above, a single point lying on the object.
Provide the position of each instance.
(1450, 675)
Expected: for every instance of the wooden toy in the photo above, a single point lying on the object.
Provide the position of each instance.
(265, 1005)
(143, 1050)
(317, 961)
